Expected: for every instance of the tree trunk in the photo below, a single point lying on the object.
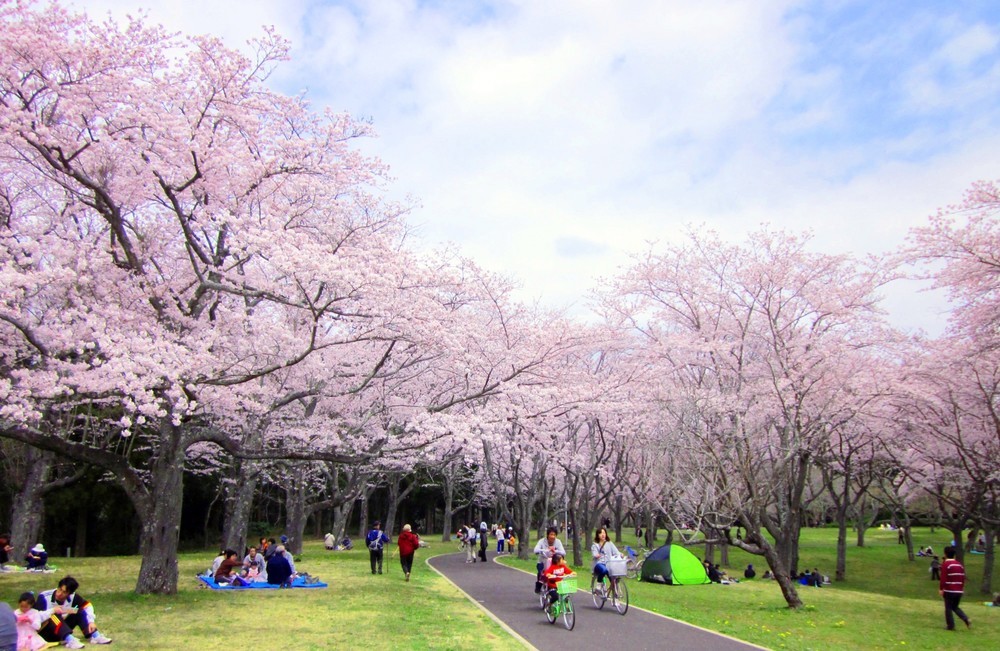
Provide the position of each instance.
(986, 587)
(80, 548)
(959, 547)
(841, 571)
(239, 505)
(782, 576)
(449, 500)
(341, 516)
(28, 511)
(908, 537)
(396, 497)
(618, 508)
(160, 513)
(577, 555)
(363, 515)
(296, 512)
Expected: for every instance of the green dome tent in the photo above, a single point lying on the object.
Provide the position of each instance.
(674, 565)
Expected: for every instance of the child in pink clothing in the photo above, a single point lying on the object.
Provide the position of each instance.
(29, 621)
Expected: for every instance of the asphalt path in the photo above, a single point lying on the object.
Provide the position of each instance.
(508, 594)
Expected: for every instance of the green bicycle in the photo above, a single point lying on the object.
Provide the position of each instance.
(563, 605)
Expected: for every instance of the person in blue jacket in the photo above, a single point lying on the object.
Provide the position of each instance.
(376, 539)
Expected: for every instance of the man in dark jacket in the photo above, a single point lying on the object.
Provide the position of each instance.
(279, 570)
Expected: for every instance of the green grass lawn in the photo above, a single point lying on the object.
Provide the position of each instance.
(357, 611)
(887, 602)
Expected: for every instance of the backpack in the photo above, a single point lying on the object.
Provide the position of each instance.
(376, 544)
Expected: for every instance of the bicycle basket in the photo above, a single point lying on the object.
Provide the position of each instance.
(617, 567)
(567, 585)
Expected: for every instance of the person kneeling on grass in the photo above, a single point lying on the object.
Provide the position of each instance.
(554, 573)
(69, 611)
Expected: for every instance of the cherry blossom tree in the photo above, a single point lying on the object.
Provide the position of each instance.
(166, 218)
(757, 342)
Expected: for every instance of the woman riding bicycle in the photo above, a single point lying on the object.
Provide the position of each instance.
(602, 550)
(554, 573)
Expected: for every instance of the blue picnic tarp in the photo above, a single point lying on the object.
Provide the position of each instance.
(258, 585)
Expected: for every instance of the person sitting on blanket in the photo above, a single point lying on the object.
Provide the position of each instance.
(216, 562)
(253, 565)
(228, 568)
(37, 557)
(554, 573)
(279, 570)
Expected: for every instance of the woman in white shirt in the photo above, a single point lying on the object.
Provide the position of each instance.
(602, 550)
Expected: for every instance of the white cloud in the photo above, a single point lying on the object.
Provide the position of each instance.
(549, 139)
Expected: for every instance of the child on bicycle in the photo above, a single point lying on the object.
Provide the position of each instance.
(554, 573)
(546, 548)
(602, 550)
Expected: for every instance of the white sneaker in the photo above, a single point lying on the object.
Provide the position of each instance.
(72, 643)
(99, 638)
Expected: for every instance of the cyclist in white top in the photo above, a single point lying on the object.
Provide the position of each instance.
(602, 550)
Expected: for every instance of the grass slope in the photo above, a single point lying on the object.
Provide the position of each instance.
(887, 602)
(357, 611)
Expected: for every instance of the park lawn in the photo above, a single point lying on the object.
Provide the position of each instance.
(887, 602)
(357, 611)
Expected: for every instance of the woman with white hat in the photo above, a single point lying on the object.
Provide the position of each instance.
(37, 558)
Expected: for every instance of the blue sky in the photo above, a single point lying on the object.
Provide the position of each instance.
(550, 139)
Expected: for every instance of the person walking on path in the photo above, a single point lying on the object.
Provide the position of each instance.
(376, 539)
(408, 542)
(545, 548)
(951, 587)
(484, 540)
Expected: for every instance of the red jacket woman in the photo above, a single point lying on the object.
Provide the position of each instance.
(408, 542)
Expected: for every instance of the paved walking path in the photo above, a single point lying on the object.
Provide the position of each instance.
(508, 594)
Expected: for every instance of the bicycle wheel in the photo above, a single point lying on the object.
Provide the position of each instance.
(552, 611)
(638, 569)
(630, 569)
(619, 596)
(599, 595)
(543, 599)
(569, 617)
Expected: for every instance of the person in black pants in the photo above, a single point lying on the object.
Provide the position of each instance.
(376, 538)
(484, 540)
(951, 587)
